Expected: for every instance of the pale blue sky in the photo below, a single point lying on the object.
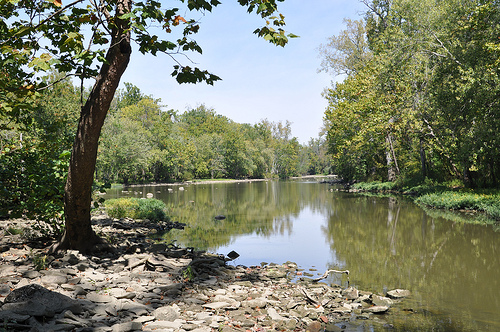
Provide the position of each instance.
(259, 80)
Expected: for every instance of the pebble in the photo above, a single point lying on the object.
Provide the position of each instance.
(166, 289)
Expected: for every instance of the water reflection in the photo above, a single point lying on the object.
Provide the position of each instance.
(451, 267)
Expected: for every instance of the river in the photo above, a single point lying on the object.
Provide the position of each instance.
(452, 268)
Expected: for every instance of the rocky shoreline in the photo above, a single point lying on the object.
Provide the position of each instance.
(148, 286)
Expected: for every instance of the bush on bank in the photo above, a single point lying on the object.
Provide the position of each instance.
(135, 208)
(463, 200)
(442, 196)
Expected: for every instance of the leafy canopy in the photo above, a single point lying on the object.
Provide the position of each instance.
(72, 38)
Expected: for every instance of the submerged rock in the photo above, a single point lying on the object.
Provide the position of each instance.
(398, 293)
(381, 300)
(377, 309)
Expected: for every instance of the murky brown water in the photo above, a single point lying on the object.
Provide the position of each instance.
(451, 267)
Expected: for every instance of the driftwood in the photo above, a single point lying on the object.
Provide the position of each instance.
(309, 297)
(325, 275)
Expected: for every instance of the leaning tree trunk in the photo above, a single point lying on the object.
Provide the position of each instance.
(77, 200)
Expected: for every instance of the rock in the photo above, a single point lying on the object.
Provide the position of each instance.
(4, 290)
(169, 313)
(314, 327)
(274, 315)
(216, 305)
(31, 274)
(98, 298)
(35, 300)
(381, 300)
(125, 327)
(10, 316)
(163, 324)
(233, 255)
(50, 280)
(277, 274)
(350, 293)
(144, 319)
(255, 303)
(398, 293)
(202, 329)
(378, 309)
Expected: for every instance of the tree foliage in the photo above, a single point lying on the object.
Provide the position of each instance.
(34, 157)
(422, 101)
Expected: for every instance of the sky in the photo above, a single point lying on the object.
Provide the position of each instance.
(259, 80)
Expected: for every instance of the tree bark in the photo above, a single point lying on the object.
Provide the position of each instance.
(391, 163)
(78, 233)
(423, 159)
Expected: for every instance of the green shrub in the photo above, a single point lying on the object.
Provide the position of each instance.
(375, 186)
(122, 207)
(136, 208)
(493, 210)
(152, 209)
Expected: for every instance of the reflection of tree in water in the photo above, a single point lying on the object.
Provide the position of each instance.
(389, 244)
(262, 208)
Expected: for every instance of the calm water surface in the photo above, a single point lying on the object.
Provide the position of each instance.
(452, 268)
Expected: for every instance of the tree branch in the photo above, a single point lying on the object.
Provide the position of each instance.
(325, 275)
(57, 13)
(48, 18)
(55, 82)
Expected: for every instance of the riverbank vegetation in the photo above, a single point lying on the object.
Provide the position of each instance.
(446, 197)
(420, 98)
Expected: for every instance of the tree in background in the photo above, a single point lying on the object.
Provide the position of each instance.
(94, 41)
(141, 143)
(34, 155)
(414, 107)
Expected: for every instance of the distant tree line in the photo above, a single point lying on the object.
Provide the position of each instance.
(421, 94)
(141, 142)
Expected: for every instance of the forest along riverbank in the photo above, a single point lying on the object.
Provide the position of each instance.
(230, 181)
(144, 285)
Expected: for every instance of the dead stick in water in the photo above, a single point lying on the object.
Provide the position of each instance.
(328, 272)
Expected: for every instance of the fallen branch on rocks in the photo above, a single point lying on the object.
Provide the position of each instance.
(136, 264)
(308, 296)
(325, 275)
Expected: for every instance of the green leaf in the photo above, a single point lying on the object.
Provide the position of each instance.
(127, 16)
(139, 26)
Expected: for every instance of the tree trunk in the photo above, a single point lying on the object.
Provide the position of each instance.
(78, 233)
(392, 166)
(423, 159)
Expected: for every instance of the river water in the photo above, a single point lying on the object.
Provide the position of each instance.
(451, 267)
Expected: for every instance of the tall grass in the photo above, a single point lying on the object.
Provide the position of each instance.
(463, 200)
(135, 208)
(375, 186)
